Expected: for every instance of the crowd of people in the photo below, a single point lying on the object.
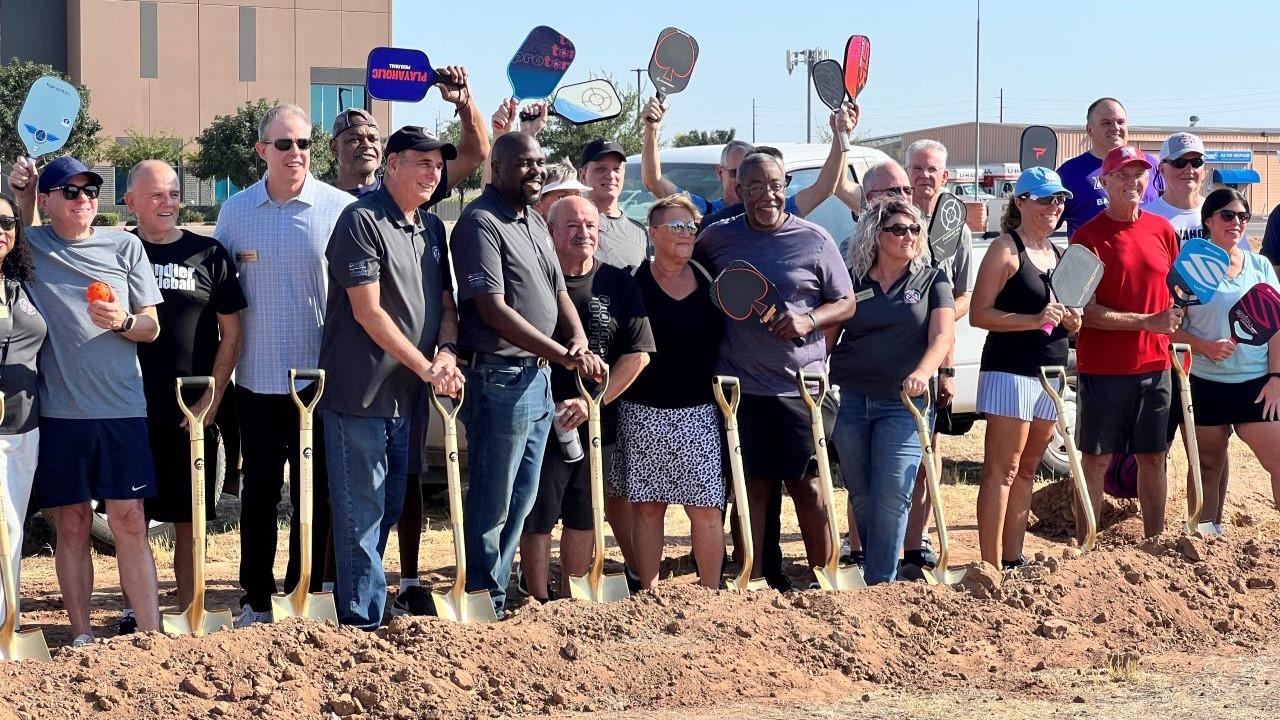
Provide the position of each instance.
(544, 279)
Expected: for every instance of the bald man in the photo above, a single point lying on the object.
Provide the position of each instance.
(201, 320)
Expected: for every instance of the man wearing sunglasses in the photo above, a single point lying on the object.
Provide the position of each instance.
(93, 410)
(276, 230)
(1182, 167)
(1107, 127)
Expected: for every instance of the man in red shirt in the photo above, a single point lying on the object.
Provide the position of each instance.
(1123, 351)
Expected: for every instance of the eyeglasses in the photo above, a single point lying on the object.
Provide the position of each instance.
(1183, 162)
(71, 192)
(286, 144)
(755, 191)
(679, 228)
(8, 222)
(900, 230)
(901, 191)
(1232, 215)
(1047, 200)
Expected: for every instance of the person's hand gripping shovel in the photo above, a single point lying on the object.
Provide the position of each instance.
(832, 575)
(941, 574)
(1084, 503)
(456, 603)
(196, 620)
(728, 394)
(14, 645)
(302, 603)
(596, 586)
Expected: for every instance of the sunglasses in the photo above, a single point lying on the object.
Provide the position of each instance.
(1233, 215)
(900, 230)
(286, 144)
(1047, 200)
(8, 222)
(71, 192)
(680, 228)
(902, 191)
(1183, 162)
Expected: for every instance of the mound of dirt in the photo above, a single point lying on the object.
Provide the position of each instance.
(1052, 515)
(682, 646)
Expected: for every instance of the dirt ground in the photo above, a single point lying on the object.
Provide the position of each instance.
(1176, 626)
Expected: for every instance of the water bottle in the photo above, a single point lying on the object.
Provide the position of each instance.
(570, 442)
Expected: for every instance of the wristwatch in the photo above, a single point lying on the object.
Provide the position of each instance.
(947, 371)
(127, 325)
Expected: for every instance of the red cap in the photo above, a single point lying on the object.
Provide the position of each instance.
(1121, 156)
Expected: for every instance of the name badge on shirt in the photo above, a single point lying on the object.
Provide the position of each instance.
(245, 256)
(865, 295)
(4, 312)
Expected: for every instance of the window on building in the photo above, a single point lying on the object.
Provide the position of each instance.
(223, 188)
(329, 100)
(148, 40)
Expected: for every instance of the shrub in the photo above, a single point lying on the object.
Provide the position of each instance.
(107, 219)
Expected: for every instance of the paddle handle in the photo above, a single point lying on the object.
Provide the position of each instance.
(1047, 328)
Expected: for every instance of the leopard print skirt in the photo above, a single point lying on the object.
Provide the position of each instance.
(669, 455)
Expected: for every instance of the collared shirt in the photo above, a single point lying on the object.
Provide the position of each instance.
(279, 249)
(624, 243)
(496, 252)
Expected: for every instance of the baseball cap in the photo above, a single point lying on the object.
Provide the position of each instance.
(598, 148)
(1039, 182)
(1121, 156)
(352, 117)
(1179, 144)
(416, 137)
(569, 183)
(63, 169)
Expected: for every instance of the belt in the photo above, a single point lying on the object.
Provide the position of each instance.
(475, 358)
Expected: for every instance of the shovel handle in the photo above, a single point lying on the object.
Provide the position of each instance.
(930, 474)
(728, 401)
(453, 477)
(1084, 500)
(595, 464)
(1181, 361)
(813, 400)
(197, 382)
(306, 374)
(6, 567)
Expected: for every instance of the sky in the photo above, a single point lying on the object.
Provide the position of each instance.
(1166, 60)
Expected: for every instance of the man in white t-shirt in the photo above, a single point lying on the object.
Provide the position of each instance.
(1182, 167)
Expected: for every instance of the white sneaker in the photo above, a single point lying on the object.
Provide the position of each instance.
(250, 617)
(81, 640)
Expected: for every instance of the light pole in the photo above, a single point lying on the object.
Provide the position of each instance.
(977, 83)
(639, 93)
(809, 58)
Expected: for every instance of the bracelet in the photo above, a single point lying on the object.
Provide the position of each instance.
(448, 347)
(812, 319)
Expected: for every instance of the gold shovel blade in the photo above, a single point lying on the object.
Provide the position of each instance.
(316, 606)
(609, 588)
(209, 621)
(472, 607)
(944, 576)
(741, 583)
(845, 577)
(25, 645)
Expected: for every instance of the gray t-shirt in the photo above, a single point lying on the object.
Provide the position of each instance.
(373, 242)
(623, 242)
(957, 268)
(23, 331)
(496, 252)
(801, 259)
(884, 341)
(87, 373)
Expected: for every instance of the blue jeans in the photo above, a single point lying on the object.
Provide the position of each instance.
(508, 417)
(367, 459)
(879, 455)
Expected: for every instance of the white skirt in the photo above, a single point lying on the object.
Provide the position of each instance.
(1015, 396)
(669, 456)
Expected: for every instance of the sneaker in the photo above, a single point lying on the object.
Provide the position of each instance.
(852, 557)
(926, 549)
(413, 600)
(781, 583)
(921, 558)
(633, 580)
(251, 617)
(846, 547)
(523, 589)
(1013, 564)
(128, 625)
(81, 640)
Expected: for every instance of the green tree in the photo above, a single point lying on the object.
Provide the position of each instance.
(564, 140)
(16, 79)
(227, 147)
(452, 133)
(703, 137)
(137, 147)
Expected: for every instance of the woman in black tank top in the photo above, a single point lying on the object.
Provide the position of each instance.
(1012, 301)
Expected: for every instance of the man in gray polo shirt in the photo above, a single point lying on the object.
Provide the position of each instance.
(390, 307)
(512, 298)
(624, 243)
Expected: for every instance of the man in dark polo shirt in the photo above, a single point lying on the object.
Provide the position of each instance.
(512, 298)
(389, 326)
(624, 243)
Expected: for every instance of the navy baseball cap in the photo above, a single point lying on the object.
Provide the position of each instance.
(414, 137)
(59, 171)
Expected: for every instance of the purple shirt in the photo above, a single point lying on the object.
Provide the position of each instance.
(801, 259)
(1080, 176)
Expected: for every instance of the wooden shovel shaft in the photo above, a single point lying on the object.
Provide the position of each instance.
(729, 408)
(1178, 351)
(1083, 499)
(931, 476)
(824, 464)
(7, 574)
(595, 462)
(306, 452)
(453, 477)
(195, 434)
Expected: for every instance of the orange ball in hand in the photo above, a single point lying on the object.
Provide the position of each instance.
(98, 290)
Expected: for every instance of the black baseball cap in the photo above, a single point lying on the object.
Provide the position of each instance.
(600, 147)
(415, 137)
(59, 171)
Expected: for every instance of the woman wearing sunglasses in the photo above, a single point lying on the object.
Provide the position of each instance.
(1232, 386)
(902, 330)
(23, 330)
(1012, 301)
(668, 450)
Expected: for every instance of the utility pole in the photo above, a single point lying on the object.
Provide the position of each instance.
(639, 93)
(753, 125)
(977, 84)
(1001, 106)
(809, 58)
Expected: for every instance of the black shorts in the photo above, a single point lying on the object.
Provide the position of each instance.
(564, 489)
(171, 456)
(1219, 403)
(83, 460)
(777, 443)
(1124, 413)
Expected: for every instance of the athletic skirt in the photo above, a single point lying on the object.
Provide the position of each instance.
(669, 455)
(1014, 396)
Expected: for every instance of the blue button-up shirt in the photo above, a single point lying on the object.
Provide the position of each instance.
(279, 250)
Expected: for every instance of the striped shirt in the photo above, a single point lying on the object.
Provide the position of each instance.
(279, 249)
